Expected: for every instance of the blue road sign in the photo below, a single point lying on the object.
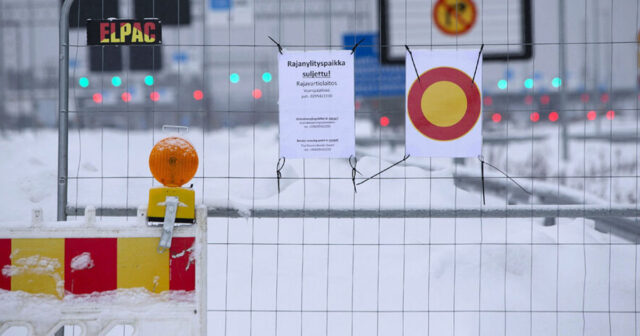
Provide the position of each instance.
(373, 79)
(180, 57)
(220, 4)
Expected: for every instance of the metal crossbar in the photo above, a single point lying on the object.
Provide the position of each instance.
(510, 211)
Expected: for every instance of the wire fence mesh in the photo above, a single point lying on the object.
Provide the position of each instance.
(564, 124)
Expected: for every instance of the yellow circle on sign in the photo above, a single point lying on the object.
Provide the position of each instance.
(443, 103)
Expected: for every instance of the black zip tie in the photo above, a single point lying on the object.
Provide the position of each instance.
(503, 173)
(278, 44)
(355, 46)
(414, 62)
(477, 62)
(354, 171)
(279, 167)
(384, 170)
(484, 200)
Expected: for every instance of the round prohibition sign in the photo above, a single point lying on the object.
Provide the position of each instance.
(454, 17)
(444, 104)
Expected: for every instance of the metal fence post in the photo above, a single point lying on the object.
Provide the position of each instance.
(563, 77)
(63, 109)
(2, 78)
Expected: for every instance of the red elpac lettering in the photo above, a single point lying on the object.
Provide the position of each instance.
(149, 32)
(104, 31)
(113, 30)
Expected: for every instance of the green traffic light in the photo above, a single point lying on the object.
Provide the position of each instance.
(266, 77)
(528, 83)
(116, 81)
(84, 82)
(234, 78)
(148, 80)
(556, 82)
(502, 84)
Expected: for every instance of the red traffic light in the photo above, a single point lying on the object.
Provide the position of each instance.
(535, 116)
(528, 100)
(584, 97)
(611, 114)
(198, 95)
(545, 99)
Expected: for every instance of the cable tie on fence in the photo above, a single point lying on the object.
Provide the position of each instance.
(384, 170)
(484, 200)
(278, 44)
(354, 171)
(503, 173)
(414, 62)
(355, 46)
(477, 62)
(279, 167)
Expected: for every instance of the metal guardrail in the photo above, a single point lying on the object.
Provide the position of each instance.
(613, 219)
(493, 139)
(618, 136)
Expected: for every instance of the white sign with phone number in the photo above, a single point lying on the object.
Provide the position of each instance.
(316, 104)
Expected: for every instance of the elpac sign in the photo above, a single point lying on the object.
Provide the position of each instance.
(124, 31)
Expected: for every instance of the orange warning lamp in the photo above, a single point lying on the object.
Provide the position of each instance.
(173, 161)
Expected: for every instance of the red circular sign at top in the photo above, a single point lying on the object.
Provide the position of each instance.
(454, 17)
(469, 117)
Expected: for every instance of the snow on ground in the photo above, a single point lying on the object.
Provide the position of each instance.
(110, 168)
(370, 265)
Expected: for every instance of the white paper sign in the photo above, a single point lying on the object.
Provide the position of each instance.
(443, 108)
(316, 104)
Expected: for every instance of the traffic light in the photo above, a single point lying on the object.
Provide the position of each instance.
(81, 10)
(170, 12)
(145, 58)
(105, 58)
(116, 81)
(535, 116)
(528, 83)
(84, 82)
